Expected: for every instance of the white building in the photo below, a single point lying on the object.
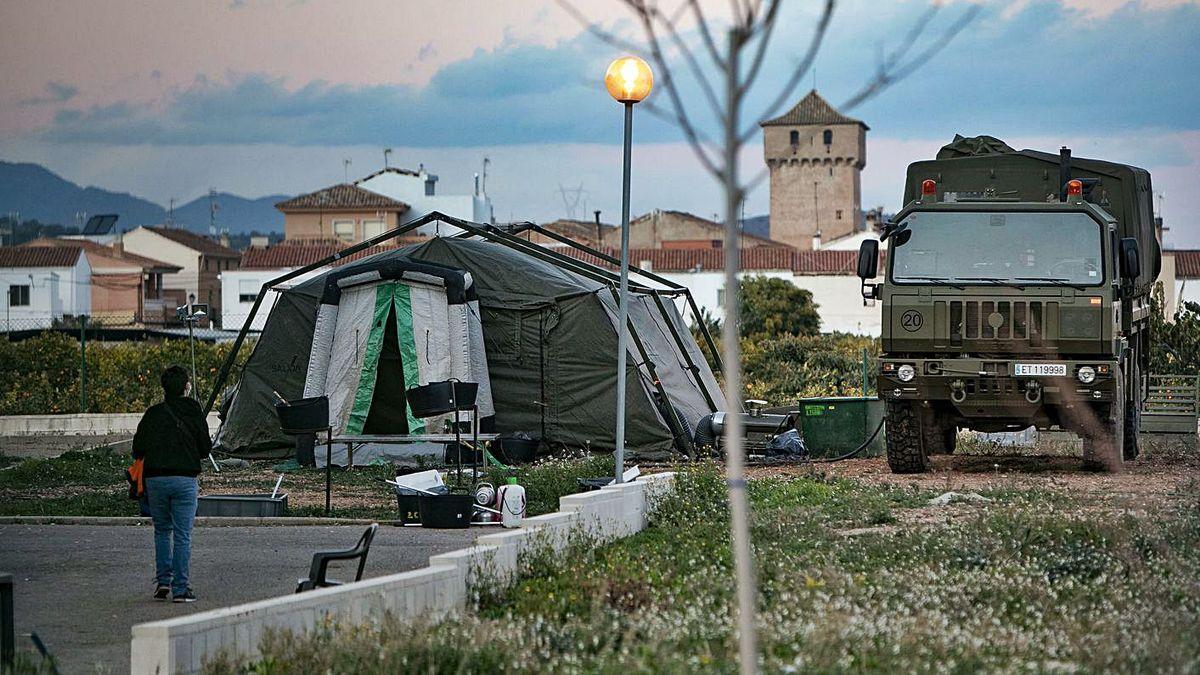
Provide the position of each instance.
(42, 284)
(418, 189)
(828, 274)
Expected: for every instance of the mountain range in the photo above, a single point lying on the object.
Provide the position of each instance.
(37, 193)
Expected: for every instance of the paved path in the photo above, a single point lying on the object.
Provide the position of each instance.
(81, 587)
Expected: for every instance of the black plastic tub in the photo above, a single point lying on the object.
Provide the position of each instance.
(439, 398)
(243, 506)
(410, 508)
(516, 450)
(303, 416)
(446, 512)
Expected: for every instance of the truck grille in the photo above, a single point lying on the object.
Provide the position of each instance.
(1019, 320)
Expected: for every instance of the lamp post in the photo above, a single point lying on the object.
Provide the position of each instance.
(628, 80)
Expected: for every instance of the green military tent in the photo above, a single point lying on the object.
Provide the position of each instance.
(536, 328)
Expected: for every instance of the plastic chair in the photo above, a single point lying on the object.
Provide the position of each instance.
(321, 559)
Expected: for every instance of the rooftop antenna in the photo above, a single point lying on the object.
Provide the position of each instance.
(386, 152)
(483, 178)
(171, 213)
(213, 207)
(346, 170)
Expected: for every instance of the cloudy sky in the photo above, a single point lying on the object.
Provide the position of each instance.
(167, 99)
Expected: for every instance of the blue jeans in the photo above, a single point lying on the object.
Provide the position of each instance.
(173, 507)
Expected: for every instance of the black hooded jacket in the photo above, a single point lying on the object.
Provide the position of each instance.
(173, 438)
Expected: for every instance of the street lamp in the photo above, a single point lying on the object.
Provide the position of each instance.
(628, 80)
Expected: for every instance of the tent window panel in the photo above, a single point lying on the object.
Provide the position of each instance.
(502, 332)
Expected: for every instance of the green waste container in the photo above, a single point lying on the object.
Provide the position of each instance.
(836, 425)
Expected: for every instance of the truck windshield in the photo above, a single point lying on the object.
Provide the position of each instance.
(989, 247)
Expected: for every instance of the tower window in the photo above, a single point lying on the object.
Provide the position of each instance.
(828, 136)
(795, 138)
(839, 214)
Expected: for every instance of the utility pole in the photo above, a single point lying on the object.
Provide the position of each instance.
(212, 212)
(346, 170)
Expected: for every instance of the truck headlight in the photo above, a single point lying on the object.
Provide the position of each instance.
(906, 373)
(1086, 374)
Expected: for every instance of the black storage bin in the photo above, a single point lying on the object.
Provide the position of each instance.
(520, 449)
(446, 511)
(303, 416)
(410, 508)
(439, 398)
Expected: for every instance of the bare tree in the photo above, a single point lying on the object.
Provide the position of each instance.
(725, 75)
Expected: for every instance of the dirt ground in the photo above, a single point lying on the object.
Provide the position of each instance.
(1165, 467)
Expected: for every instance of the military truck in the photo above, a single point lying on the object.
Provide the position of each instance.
(1016, 293)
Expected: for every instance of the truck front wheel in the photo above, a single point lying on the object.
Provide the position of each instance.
(1104, 436)
(905, 445)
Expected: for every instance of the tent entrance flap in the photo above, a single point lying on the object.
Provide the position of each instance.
(389, 368)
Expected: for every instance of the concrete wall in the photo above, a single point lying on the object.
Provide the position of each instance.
(812, 182)
(144, 242)
(183, 645)
(79, 424)
(53, 293)
(235, 283)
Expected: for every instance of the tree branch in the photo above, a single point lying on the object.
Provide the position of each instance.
(788, 90)
(767, 26)
(691, 61)
(706, 36)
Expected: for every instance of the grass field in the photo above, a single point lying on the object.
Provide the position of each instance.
(1056, 572)
(91, 483)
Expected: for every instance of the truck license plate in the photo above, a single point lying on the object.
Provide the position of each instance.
(1040, 369)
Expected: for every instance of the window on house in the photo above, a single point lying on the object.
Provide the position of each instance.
(720, 297)
(18, 296)
(839, 214)
(795, 138)
(248, 290)
(829, 137)
(373, 228)
(344, 229)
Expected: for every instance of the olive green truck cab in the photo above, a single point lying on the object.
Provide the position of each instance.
(1016, 292)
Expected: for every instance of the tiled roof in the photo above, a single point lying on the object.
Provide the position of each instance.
(196, 242)
(343, 196)
(757, 258)
(95, 248)
(39, 256)
(1187, 264)
(812, 109)
(287, 254)
(716, 229)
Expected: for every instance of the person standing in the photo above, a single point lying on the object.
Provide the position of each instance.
(172, 439)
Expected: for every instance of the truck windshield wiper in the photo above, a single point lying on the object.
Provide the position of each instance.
(993, 280)
(937, 281)
(1053, 281)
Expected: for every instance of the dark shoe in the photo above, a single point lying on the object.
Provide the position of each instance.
(187, 596)
(162, 592)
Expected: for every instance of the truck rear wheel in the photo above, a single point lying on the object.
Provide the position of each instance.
(1104, 438)
(905, 445)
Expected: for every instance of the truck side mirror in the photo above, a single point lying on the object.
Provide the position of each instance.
(1131, 259)
(868, 259)
(868, 267)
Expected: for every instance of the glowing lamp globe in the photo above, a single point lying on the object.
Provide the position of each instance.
(629, 79)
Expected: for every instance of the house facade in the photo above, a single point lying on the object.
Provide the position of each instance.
(418, 189)
(345, 213)
(125, 288)
(42, 284)
(200, 260)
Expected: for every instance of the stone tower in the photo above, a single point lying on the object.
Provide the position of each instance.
(815, 155)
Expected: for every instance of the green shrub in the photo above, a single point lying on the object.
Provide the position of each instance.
(42, 375)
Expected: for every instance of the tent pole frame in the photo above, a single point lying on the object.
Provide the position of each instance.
(223, 374)
(488, 232)
(579, 246)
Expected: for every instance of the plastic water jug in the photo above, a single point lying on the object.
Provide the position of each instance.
(512, 504)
